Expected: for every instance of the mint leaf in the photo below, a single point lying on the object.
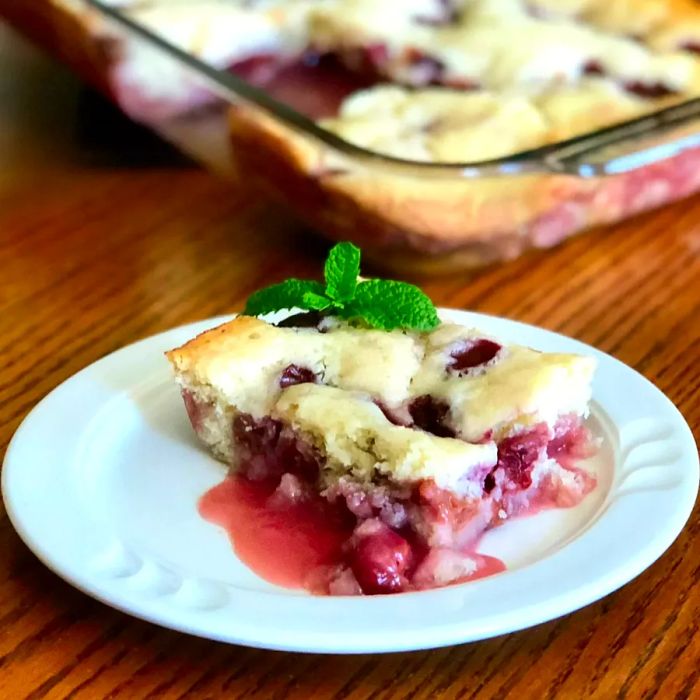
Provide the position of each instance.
(286, 295)
(383, 304)
(388, 304)
(341, 271)
(316, 302)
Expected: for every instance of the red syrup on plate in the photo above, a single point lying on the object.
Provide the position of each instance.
(282, 542)
(297, 544)
(354, 543)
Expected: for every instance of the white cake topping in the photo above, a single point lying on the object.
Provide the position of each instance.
(358, 440)
(242, 361)
(237, 368)
(520, 387)
(438, 124)
(539, 70)
(435, 124)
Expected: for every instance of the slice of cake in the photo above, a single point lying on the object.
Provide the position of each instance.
(445, 433)
(427, 438)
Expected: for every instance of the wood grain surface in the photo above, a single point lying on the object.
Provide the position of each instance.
(106, 236)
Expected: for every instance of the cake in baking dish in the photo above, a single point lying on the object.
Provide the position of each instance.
(433, 81)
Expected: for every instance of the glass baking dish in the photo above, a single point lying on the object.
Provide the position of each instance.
(410, 216)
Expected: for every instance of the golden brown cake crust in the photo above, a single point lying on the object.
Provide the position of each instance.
(222, 339)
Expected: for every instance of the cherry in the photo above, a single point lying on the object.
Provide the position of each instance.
(380, 560)
(518, 454)
(650, 90)
(196, 409)
(376, 55)
(294, 374)
(266, 449)
(430, 414)
(474, 354)
(593, 67)
(692, 46)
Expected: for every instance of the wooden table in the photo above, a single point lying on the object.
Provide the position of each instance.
(102, 244)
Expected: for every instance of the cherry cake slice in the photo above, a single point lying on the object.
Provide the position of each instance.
(372, 461)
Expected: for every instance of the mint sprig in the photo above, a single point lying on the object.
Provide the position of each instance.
(341, 271)
(383, 304)
(285, 295)
(389, 304)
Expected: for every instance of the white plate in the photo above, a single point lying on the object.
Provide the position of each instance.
(102, 480)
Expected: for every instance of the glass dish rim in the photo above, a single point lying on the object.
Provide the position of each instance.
(582, 156)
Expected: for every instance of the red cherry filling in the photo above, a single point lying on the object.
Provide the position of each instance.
(266, 449)
(461, 83)
(350, 539)
(430, 414)
(691, 46)
(593, 67)
(518, 454)
(650, 90)
(445, 506)
(293, 374)
(380, 559)
(196, 410)
(475, 354)
(367, 61)
(257, 69)
(572, 441)
(377, 54)
(636, 87)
